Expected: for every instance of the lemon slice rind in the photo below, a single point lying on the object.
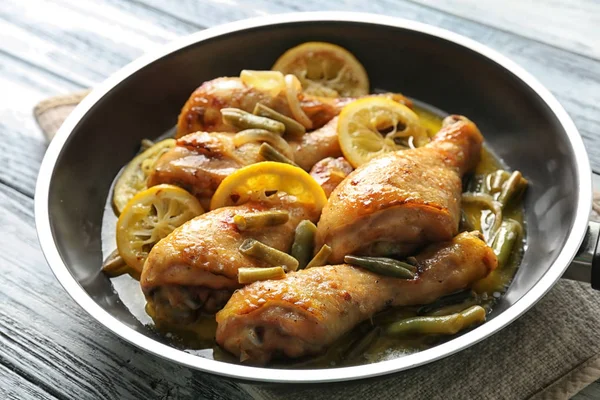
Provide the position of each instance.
(150, 216)
(258, 181)
(133, 178)
(325, 69)
(375, 125)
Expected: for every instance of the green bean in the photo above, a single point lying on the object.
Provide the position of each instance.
(292, 127)
(465, 224)
(320, 258)
(270, 153)
(261, 135)
(494, 181)
(454, 298)
(475, 183)
(113, 262)
(268, 254)
(114, 270)
(249, 275)
(442, 325)
(391, 262)
(512, 189)
(383, 266)
(304, 243)
(505, 239)
(482, 198)
(392, 315)
(262, 219)
(454, 308)
(412, 261)
(360, 346)
(114, 266)
(245, 120)
(488, 201)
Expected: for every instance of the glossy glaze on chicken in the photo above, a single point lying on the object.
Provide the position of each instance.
(310, 309)
(403, 199)
(411, 247)
(202, 256)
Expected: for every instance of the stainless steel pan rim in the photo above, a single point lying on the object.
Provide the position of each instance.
(45, 235)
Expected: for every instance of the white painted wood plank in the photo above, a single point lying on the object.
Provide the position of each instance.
(573, 25)
(50, 339)
(84, 41)
(23, 86)
(15, 387)
(22, 144)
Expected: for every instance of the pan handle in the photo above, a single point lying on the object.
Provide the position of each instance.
(585, 267)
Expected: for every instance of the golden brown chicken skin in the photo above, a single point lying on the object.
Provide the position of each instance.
(402, 200)
(194, 269)
(308, 310)
(317, 145)
(200, 161)
(330, 172)
(202, 111)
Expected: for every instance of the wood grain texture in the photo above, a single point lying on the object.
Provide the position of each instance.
(83, 41)
(547, 21)
(22, 144)
(42, 56)
(15, 387)
(49, 347)
(55, 345)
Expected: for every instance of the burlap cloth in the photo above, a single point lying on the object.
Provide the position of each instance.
(550, 353)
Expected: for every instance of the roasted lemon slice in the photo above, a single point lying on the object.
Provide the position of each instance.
(150, 216)
(375, 125)
(271, 82)
(325, 69)
(134, 176)
(261, 180)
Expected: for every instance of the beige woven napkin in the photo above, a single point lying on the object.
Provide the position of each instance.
(550, 353)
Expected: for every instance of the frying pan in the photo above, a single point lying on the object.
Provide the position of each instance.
(520, 119)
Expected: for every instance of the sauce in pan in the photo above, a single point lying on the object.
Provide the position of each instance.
(363, 344)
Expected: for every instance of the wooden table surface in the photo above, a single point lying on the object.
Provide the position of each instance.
(49, 347)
